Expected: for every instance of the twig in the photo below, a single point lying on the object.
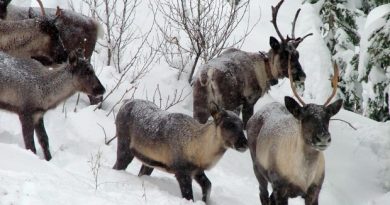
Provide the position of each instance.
(345, 122)
(104, 131)
(109, 141)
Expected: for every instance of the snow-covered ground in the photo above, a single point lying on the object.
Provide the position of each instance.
(357, 162)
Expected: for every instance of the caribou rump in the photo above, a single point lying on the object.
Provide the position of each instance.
(236, 79)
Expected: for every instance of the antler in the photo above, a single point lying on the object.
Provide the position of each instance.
(292, 83)
(275, 11)
(334, 83)
(58, 11)
(296, 41)
(293, 23)
(42, 9)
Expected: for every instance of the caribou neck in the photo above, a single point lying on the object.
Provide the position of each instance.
(209, 129)
(59, 86)
(263, 72)
(310, 154)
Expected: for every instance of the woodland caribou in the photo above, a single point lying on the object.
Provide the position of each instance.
(36, 38)
(286, 144)
(237, 78)
(176, 143)
(29, 89)
(75, 30)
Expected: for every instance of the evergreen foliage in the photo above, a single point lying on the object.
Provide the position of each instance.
(377, 73)
(341, 37)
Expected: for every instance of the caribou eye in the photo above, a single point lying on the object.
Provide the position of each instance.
(229, 125)
(87, 72)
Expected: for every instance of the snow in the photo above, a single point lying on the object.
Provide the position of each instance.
(357, 161)
(377, 13)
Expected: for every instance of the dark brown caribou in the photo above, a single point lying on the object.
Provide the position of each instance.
(176, 143)
(238, 79)
(286, 144)
(36, 38)
(29, 89)
(75, 30)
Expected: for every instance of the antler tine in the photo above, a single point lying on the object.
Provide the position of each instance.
(42, 9)
(300, 39)
(292, 83)
(275, 11)
(58, 11)
(334, 83)
(293, 23)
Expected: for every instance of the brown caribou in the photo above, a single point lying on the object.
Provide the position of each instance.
(36, 38)
(75, 30)
(176, 143)
(286, 144)
(29, 89)
(237, 79)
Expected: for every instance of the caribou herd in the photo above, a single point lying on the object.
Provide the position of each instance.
(44, 59)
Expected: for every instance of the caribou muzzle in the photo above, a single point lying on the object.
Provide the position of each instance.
(98, 91)
(241, 144)
(297, 73)
(321, 141)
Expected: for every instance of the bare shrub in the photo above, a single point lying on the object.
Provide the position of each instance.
(208, 28)
(128, 47)
(95, 165)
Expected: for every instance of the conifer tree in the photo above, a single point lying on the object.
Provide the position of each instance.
(340, 34)
(376, 73)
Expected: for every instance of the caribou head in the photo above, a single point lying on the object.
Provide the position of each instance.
(287, 46)
(314, 118)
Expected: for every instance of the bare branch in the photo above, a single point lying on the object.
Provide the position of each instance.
(345, 122)
(208, 27)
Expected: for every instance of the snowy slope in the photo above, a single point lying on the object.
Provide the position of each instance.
(357, 162)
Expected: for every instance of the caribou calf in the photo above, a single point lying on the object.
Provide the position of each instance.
(176, 143)
(29, 89)
(237, 79)
(286, 144)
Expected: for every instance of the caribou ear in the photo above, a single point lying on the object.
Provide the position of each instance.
(216, 112)
(335, 107)
(274, 43)
(293, 107)
(31, 13)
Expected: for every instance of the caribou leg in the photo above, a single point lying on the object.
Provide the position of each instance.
(28, 131)
(185, 183)
(205, 183)
(145, 170)
(312, 195)
(42, 137)
(123, 153)
(247, 112)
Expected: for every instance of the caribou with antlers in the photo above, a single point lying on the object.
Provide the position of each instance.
(36, 38)
(286, 144)
(236, 79)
